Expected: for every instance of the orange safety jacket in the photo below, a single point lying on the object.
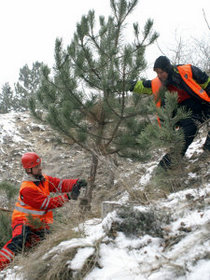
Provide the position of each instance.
(23, 211)
(186, 73)
(156, 85)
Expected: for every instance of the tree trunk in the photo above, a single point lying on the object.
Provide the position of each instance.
(85, 202)
(111, 167)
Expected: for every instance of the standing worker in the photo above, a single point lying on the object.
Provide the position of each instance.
(33, 215)
(193, 88)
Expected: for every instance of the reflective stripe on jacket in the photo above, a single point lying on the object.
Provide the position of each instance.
(23, 211)
(186, 73)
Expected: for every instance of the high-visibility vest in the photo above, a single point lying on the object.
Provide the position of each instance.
(156, 85)
(186, 73)
(24, 211)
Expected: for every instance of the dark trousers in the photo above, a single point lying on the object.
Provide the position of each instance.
(190, 127)
(23, 236)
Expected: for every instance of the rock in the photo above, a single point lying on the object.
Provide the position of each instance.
(109, 206)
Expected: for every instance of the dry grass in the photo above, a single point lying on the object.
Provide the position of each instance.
(42, 265)
(68, 217)
(32, 263)
(33, 266)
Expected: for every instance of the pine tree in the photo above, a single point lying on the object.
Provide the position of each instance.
(165, 134)
(86, 97)
(27, 85)
(6, 99)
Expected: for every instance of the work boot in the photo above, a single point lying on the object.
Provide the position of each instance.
(206, 146)
(165, 162)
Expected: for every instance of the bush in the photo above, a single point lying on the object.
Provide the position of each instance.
(134, 222)
(9, 189)
(5, 228)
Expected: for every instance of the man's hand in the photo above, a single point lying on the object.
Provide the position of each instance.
(131, 85)
(76, 188)
(81, 183)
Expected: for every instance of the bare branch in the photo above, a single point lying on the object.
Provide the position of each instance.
(204, 15)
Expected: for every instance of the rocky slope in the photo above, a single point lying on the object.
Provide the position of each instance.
(20, 133)
(168, 245)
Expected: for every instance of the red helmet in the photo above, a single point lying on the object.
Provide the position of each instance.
(30, 160)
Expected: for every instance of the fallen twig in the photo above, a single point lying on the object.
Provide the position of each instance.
(5, 210)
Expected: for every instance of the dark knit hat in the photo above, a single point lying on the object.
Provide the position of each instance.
(163, 63)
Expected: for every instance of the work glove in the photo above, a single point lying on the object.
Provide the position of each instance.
(76, 189)
(128, 85)
(81, 183)
(131, 85)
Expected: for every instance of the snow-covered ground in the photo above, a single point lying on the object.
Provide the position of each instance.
(145, 257)
(186, 256)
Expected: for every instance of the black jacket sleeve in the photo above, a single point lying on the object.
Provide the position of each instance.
(201, 78)
(198, 75)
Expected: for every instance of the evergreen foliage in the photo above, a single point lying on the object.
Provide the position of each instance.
(5, 228)
(25, 88)
(7, 103)
(9, 189)
(5, 217)
(27, 85)
(133, 222)
(167, 135)
(86, 97)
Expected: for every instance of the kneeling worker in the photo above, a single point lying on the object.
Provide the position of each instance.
(35, 205)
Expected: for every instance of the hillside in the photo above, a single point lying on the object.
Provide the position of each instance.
(160, 229)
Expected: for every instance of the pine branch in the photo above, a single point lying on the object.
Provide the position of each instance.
(85, 147)
(114, 132)
(89, 133)
(88, 59)
(74, 97)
